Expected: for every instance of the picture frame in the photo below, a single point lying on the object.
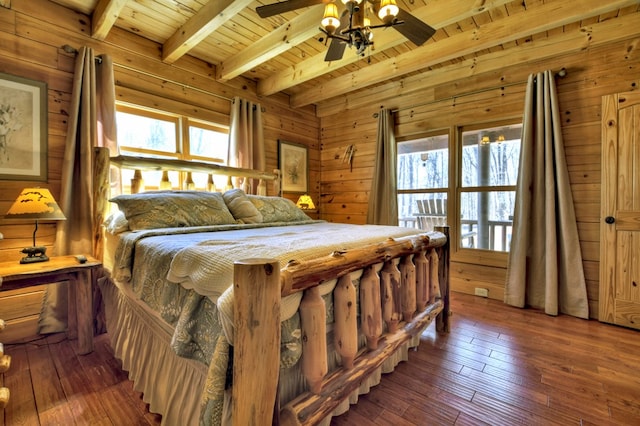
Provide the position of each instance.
(23, 128)
(293, 162)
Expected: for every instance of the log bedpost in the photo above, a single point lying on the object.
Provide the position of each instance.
(371, 305)
(345, 312)
(100, 197)
(408, 271)
(256, 340)
(442, 321)
(422, 280)
(314, 338)
(390, 293)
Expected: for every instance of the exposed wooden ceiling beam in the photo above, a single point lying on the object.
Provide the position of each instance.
(574, 40)
(542, 18)
(209, 18)
(104, 17)
(288, 35)
(437, 13)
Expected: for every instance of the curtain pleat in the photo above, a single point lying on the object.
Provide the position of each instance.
(545, 268)
(383, 198)
(91, 123)
(246, 140)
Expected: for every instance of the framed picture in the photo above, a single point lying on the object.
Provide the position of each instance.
(23, 128)
(294, 166)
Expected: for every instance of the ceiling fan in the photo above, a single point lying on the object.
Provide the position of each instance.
(353, 27)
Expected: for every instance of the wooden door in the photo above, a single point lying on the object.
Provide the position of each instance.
(620, 211)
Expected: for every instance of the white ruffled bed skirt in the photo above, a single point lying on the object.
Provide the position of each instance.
(172, 385)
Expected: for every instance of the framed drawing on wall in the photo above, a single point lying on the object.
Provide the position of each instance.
(294, 166)
(23, 128)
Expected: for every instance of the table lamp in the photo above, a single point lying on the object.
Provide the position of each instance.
(305, 202)
(38, 204)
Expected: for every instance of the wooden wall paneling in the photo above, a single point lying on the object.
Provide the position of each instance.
(591, 73)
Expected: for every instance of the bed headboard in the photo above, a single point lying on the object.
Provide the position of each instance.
(102, 184)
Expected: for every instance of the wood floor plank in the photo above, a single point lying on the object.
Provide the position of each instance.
(499, 366)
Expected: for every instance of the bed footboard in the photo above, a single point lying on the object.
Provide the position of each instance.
(403, 288)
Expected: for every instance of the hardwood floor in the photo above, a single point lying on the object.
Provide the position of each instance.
(498, 366)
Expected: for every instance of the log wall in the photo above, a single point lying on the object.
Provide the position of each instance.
(32, 36)
(478, 99)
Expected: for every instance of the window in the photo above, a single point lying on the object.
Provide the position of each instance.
(150, 133)
(423, 181)
(485, 167)
(488, 173)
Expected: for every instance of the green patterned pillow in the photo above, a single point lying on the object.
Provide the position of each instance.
(277, 209)
(169, 209)
(241, 207)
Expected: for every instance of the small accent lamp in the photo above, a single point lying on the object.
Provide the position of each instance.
(305, 202)
(38, 204)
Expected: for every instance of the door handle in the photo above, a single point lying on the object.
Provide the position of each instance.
(609, 219)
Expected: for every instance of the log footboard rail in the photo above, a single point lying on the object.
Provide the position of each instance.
(404, 286)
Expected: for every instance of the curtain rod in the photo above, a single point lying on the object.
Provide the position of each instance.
(561, 73)
(70, 49)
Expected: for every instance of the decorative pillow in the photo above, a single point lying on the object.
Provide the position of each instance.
(241, 207)
(169, 209)
(116, 223)
(277, 209)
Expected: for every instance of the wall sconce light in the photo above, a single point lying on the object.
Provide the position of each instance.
(38, 204)
(305, 202)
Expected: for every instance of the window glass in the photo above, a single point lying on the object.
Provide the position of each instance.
(489, 169)
(486, 219)
(490, 156)
(208, 142)
(143, 132)
(423, 173)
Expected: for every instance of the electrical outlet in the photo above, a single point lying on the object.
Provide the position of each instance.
(484, 292)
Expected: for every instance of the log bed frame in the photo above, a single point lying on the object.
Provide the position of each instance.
(404, 286)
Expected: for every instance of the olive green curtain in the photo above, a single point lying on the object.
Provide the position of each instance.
(545, 263)
(91, 123)
(383, 197)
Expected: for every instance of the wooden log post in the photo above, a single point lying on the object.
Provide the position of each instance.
(345, 313)
(100, 197)
(165, 183)
(442, 321)
(137, 183)
(408, 287)
(371, 305)
(390, 293)
(256, 340)
(422, 280)
(314, 338)
(434, 278)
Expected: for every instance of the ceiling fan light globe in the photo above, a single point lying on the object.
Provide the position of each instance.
(388, 11)
(330, 20)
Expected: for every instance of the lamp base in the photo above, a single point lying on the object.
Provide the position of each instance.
(34, 254)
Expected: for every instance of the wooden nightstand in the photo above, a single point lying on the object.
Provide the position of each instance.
(312, 213)
(14, 275)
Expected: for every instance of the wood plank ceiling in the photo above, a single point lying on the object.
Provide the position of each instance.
(284, 53)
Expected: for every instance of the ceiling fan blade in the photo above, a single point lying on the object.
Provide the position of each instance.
(335, 51)
(285, 6)
(337, 46)
(414, 29)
